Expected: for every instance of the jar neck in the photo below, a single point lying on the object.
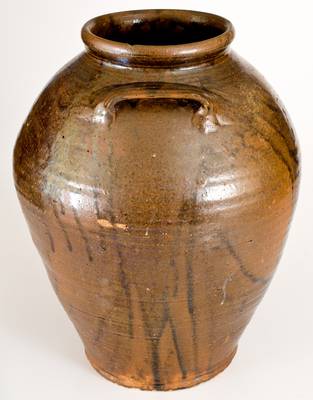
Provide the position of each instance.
(158, 38)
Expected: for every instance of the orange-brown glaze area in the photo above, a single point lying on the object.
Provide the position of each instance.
(159, 198)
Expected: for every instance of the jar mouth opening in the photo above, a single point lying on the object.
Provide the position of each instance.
(157, 37)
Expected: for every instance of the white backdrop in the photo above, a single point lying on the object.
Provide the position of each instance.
(41, 354)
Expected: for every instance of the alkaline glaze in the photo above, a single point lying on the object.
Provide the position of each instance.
(158, 173)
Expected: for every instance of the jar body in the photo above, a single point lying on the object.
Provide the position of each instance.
(160, 238)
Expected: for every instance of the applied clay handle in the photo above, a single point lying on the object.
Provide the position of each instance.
(204, 118)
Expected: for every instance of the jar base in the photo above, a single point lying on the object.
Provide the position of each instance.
(181, 384)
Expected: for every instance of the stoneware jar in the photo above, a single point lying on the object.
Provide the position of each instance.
(158, 174)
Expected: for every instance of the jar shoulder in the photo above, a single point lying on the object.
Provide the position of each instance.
(60, 143)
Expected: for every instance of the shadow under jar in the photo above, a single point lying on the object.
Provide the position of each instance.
(158, 173)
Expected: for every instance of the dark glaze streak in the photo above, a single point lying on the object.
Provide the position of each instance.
(154, 343)
(98, 214)
(280, 155)
(189, 258)
(66, 236)
(179, 356)
(190, 293)
(83, 235)
(253, 278)
(272, 120)
(101, 323)
(244, 120)
(99, 332)
(292, 151)
(51, 241)
(125, 286)
(122, 273)
(167, 317)
(155, 340)
(155, 364)
(95, 196)
(211, 329)
(173, 261)
(174, 267)
(273, 109)
(190, 280)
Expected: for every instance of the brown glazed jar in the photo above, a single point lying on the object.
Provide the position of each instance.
(158, 173)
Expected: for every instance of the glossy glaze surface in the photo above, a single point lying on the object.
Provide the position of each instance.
(158, 181)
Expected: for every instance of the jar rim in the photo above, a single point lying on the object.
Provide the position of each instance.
(132, 37)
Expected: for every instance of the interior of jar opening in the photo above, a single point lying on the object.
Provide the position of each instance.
(156, 31)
